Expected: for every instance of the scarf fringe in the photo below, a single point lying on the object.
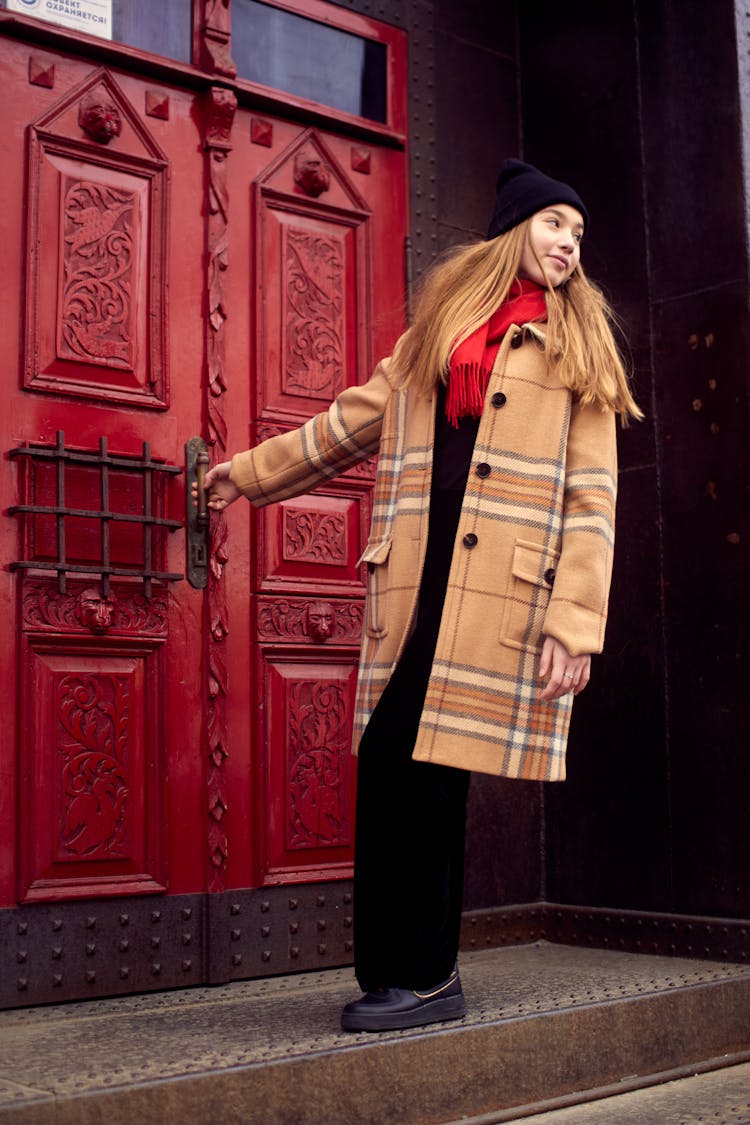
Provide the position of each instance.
(466, 389)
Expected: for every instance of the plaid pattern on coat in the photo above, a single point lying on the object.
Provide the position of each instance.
(533, 552)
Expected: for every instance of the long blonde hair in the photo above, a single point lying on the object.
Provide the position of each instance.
(462, 291)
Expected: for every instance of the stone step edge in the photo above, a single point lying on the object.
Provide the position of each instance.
(450, 1072)
(601, 1093)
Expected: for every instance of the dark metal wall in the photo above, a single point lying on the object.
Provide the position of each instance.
(638, 104)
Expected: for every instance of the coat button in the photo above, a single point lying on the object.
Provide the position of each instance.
(470, 540)
(549, 576)
(498, 399)
(483, 469)
(516, 340)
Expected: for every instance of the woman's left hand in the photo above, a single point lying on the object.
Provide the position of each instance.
(562, 671)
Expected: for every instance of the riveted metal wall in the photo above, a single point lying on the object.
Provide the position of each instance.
(654, 813)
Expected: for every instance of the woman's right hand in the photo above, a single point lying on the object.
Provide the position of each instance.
(221, 491)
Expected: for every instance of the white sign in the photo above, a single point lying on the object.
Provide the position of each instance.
(91, 16)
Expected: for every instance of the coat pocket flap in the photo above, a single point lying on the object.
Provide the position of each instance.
(376, 552)
(534, 563)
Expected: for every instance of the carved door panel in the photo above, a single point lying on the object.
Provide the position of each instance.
(184, 252)
(103, 344)
(326, 223)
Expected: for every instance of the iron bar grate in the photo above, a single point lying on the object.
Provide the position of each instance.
(144, 466)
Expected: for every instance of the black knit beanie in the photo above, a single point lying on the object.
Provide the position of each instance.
(522, 190)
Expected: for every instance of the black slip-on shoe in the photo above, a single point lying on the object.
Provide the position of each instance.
(393, 1008)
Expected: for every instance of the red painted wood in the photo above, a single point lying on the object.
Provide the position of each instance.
(112, 778)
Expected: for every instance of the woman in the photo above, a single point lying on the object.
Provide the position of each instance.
(489, 564)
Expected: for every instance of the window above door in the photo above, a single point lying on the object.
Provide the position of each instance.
(287, 50)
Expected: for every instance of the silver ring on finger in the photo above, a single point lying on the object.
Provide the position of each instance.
(569, 675)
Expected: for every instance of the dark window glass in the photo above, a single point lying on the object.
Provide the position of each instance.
(163, 28)
(324, 64)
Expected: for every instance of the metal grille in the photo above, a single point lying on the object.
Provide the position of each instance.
(105, 461)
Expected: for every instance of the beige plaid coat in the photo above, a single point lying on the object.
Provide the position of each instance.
(533, 552)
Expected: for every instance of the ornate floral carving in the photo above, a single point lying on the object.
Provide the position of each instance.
(310, 173)
(220, 109)
(314, 317)
(314, 537)
(318, 814)
(93, 715)
(300, 619)
(128, 612)
(99, 117)
(96, 314)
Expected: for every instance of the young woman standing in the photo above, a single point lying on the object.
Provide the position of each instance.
(489, 560)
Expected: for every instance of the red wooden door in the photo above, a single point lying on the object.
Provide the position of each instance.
(179, 258)
(321, 269)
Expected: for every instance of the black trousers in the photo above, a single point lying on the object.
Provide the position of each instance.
(411, 816)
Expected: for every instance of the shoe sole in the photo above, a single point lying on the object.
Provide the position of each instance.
(449, 1008)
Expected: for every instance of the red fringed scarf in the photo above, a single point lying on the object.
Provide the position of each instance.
(472, 361)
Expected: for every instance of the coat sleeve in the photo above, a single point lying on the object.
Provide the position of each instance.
(330, 443)
(577, 611)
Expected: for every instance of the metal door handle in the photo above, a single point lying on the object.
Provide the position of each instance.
(196, 518)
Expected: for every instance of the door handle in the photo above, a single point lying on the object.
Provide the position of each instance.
(196, 518)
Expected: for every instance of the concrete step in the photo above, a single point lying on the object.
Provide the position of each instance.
(545, 1022)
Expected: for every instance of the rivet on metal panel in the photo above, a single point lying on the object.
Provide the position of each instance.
(293, 903)
(124, 945)
(90, 948)
(265, 907)
(156, 969)
(294, 951)
(348, 946)
(57, 980)
(57, 925)
(22, 956)
(294, 927)
(155, 942)
(265, 931)
(56, 953)
(187, 965)
(22, 984)
(322, 948)
(124, 919)
(348, 922)
(90, 976)
(22, 928)
(234, 909)
(90, 922)
(321, 900)
(124, 972)
(235, 935)
(265, 955)
(187, 913)
(321, 923)
(236, 958)
(347, 898)
(156, 915)
(188, 938)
